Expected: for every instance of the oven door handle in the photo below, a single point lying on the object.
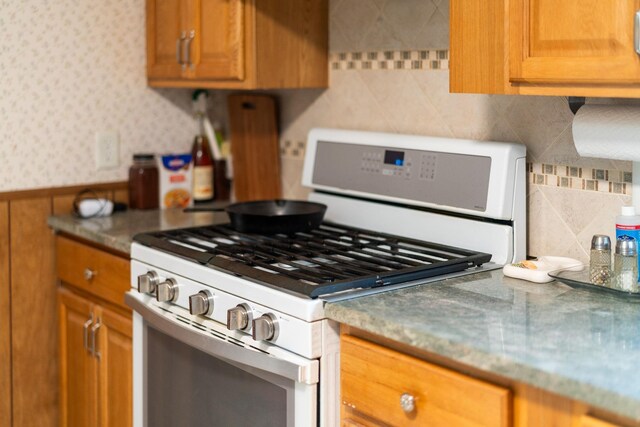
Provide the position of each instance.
(305, 372)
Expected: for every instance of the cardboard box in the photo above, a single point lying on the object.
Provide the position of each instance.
(175, 181)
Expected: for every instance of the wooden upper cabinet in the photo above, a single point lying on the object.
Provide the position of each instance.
(575, 41)
(218, 45)
(237, 44)
(166, 20)
(544, 47)
(478, 61)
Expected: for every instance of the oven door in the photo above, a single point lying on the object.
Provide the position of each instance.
(193, 374)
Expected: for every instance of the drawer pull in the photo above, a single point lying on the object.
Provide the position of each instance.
(407, 403)
(89, 274)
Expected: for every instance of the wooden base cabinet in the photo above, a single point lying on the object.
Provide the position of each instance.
(381, 385)
(95, 363)
(237, 44)
(78, 367)
(96, 348)
(115, 369)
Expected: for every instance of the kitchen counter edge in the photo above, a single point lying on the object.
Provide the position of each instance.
(401, 316)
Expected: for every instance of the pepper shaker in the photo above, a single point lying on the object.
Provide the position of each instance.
(625, 265)
(600, 260)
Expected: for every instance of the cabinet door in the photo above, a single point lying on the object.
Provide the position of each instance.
(167, 24)
(115, 369)
(218, 49)
(573, 41)
(78, 382)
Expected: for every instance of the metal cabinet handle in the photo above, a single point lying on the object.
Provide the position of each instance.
(183, 36)
(85, 332)
(636, 32)
(407, 403)
(89, 274)
(94, 332)
(187, 48)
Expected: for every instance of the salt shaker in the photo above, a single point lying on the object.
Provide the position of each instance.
(625, 265)
(600, 260)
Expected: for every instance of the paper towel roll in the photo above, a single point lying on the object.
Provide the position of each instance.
(608, 132)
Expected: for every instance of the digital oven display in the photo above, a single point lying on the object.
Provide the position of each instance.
(395, 158)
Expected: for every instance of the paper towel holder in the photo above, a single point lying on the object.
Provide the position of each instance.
(575, 102)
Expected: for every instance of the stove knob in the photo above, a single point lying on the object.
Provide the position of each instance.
(201, 303)
(265, 327)
(167, 291)
(239, 317)
(148, 282)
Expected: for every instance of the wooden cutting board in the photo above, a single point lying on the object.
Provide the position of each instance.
(253, 127)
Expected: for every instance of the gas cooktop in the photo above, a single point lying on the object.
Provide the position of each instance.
(329, 259)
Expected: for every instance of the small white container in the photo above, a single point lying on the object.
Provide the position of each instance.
(538, 270)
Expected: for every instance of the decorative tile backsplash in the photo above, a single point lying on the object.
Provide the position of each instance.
(292, 149)
(579, 178)
(391, 60)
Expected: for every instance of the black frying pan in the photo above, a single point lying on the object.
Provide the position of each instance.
(272, 216)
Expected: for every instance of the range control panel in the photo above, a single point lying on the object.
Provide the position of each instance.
(457, 180)
(395, 163)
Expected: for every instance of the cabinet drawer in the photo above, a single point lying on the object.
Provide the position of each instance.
(374, 378)
(95, 271)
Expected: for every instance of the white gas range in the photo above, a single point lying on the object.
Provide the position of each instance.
(229, 327)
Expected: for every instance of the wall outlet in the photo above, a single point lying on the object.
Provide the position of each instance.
(107, 150)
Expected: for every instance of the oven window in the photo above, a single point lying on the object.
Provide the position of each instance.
(186, 387)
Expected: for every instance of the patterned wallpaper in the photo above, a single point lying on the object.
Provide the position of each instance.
(69, 69)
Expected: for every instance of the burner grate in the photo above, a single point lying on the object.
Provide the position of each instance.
(329, 259)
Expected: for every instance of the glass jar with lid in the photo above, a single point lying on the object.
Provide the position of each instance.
(143, 182)
(626, 265)
(600, 260)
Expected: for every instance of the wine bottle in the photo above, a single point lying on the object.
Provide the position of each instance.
(202, 167)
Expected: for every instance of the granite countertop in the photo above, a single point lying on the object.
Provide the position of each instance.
(117, 231)
(576, 343)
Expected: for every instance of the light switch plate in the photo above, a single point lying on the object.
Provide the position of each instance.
(107, 150)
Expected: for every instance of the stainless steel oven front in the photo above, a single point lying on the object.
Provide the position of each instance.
(191, 372)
